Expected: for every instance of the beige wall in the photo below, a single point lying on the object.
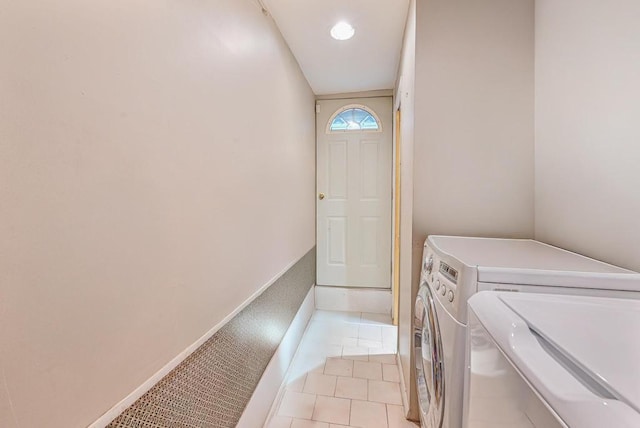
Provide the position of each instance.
(588, 128)
(156, 168)
(404, 99)
(474, 118)
(473, 143)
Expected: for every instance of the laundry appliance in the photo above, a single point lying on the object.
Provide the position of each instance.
(552, 361)
(456, 268)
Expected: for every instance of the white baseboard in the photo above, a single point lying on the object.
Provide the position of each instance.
(330, 298)
(120, 407)
(266, 393)
(276, 402)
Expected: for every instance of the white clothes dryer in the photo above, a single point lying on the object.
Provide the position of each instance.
(551, 361)
(456, 268)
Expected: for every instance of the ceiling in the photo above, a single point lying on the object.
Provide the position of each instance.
(366, 62)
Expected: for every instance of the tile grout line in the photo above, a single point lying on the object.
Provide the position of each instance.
(367, 389)
(386, 408)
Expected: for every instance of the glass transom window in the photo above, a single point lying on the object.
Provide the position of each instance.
(354, 119)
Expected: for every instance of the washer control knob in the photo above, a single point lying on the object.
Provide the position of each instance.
(437, 284)
(428, 264)
(451, 295)
(444, 290)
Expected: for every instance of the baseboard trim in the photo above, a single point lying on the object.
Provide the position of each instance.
(282, 388)
(260, 405)
(121, 406)
(375, 300)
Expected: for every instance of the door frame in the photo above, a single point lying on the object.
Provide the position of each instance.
(395, 228)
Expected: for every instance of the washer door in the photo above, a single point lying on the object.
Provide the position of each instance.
(428, 360)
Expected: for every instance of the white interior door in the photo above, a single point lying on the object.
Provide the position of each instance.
(354, 192)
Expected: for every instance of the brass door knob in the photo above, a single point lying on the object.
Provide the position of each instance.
(321, 196)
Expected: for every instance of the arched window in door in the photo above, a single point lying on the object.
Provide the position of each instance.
(354, 117)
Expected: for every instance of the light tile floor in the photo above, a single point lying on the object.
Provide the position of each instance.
(343, 375)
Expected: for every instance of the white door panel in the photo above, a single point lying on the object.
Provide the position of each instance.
(354, 217)
(336, 170)
(337, 237)
(369, 170)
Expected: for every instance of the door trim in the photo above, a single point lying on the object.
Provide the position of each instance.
(395, 266)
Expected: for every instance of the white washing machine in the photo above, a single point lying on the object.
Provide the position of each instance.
(551, 361)
(456, 268)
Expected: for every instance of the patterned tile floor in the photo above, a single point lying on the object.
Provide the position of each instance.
(343, 375)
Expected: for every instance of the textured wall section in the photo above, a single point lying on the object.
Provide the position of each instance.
(214, 384)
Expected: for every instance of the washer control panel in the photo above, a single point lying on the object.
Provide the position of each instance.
(450, 280)
(445, 283)
(450, 273)
(444, 280)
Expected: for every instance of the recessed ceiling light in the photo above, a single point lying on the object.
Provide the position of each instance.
(342, 31)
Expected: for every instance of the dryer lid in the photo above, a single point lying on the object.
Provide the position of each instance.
(516, 254)
(561, 278)
(601, 336)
